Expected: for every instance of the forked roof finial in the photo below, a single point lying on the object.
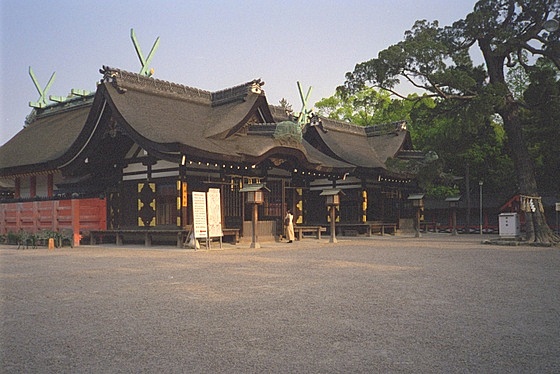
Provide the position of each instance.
(303, 117)
(42, 102)
(145, 62)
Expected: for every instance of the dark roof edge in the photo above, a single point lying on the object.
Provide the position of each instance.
(237, 93)
(371, 130)
(53, 109)
(124, 80)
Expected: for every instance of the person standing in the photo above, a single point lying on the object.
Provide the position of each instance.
(289, 225)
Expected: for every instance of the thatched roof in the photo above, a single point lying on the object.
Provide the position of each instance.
(169, 120)
(365, 147)
(39, 145)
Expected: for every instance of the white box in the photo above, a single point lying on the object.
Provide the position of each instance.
(509, 225)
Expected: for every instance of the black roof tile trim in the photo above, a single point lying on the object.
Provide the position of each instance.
(237, 93)
(384, 128)
(52, 109)
(124, 80)
(369, 131)
(342, 126)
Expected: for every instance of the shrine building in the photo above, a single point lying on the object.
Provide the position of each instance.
(129, 156)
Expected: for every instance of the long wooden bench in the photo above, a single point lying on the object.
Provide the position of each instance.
(351, 229)
(317, 230)
(148, 235)
(366, 227)
(381, 226)
(429, 226)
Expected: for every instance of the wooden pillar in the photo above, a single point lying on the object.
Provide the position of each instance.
(17, 185)
(364, 206)
(55, 206)
(453, 221)
(417, 223)
(19, 208)
(35, 215)
(32, 186)
(76, 222)
(184, 203)
(299, 207)
(50, 185)
(3, 224)
(254, 241)
(333, 220)
(283, 210)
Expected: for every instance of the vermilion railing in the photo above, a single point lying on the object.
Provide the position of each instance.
(78, 215)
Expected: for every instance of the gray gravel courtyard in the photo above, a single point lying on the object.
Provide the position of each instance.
(436, 304)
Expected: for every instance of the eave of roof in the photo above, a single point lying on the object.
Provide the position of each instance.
(41, 145)
(170, 119)
(167, 125)
(352, 144)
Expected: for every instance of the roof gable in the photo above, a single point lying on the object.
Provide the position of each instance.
(366, 147)
(46, 139)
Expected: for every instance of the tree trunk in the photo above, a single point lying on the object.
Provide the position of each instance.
(537, 230)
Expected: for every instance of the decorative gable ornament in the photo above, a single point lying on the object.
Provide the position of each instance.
(288, 132)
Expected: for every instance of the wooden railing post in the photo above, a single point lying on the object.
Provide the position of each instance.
(76, 221)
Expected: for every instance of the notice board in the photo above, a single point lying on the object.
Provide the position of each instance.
(200, 225)
(214, 212)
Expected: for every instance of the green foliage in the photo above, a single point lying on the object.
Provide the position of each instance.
(478, 115)
(458, 134)
(288, 131)
(26, 239)
(541, 122)
(441, 192)
(12, 238)
(369, 106)
(464, 136)
(518, 81)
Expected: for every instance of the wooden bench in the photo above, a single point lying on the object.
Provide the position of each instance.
(429, 226)
(352, 229)
(148, 235)
(317, 230)
(232, 232)
(381, 226)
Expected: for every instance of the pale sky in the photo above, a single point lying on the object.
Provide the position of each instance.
(205, 44)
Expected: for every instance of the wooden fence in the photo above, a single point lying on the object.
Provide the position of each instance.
(77, 215)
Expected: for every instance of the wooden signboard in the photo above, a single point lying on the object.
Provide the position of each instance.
(214, 213)
(200, 226)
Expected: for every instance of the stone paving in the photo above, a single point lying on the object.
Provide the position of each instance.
(436, 304)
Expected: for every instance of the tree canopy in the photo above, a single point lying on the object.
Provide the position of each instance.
(439, 62)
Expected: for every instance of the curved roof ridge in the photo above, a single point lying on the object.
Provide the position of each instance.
(385, 128)
(124, 80)
(53, 109)
(369, 130)
(342, 126)
(236, 93)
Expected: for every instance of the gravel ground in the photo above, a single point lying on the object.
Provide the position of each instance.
(436, 304)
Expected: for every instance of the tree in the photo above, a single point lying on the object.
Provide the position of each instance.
(459, 143)
(541, 123)
(434, 127)
(438, 61)
(367, 107)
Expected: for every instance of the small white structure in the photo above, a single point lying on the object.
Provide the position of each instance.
(509, 225)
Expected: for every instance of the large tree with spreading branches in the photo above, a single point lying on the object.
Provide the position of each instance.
(439, 61)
